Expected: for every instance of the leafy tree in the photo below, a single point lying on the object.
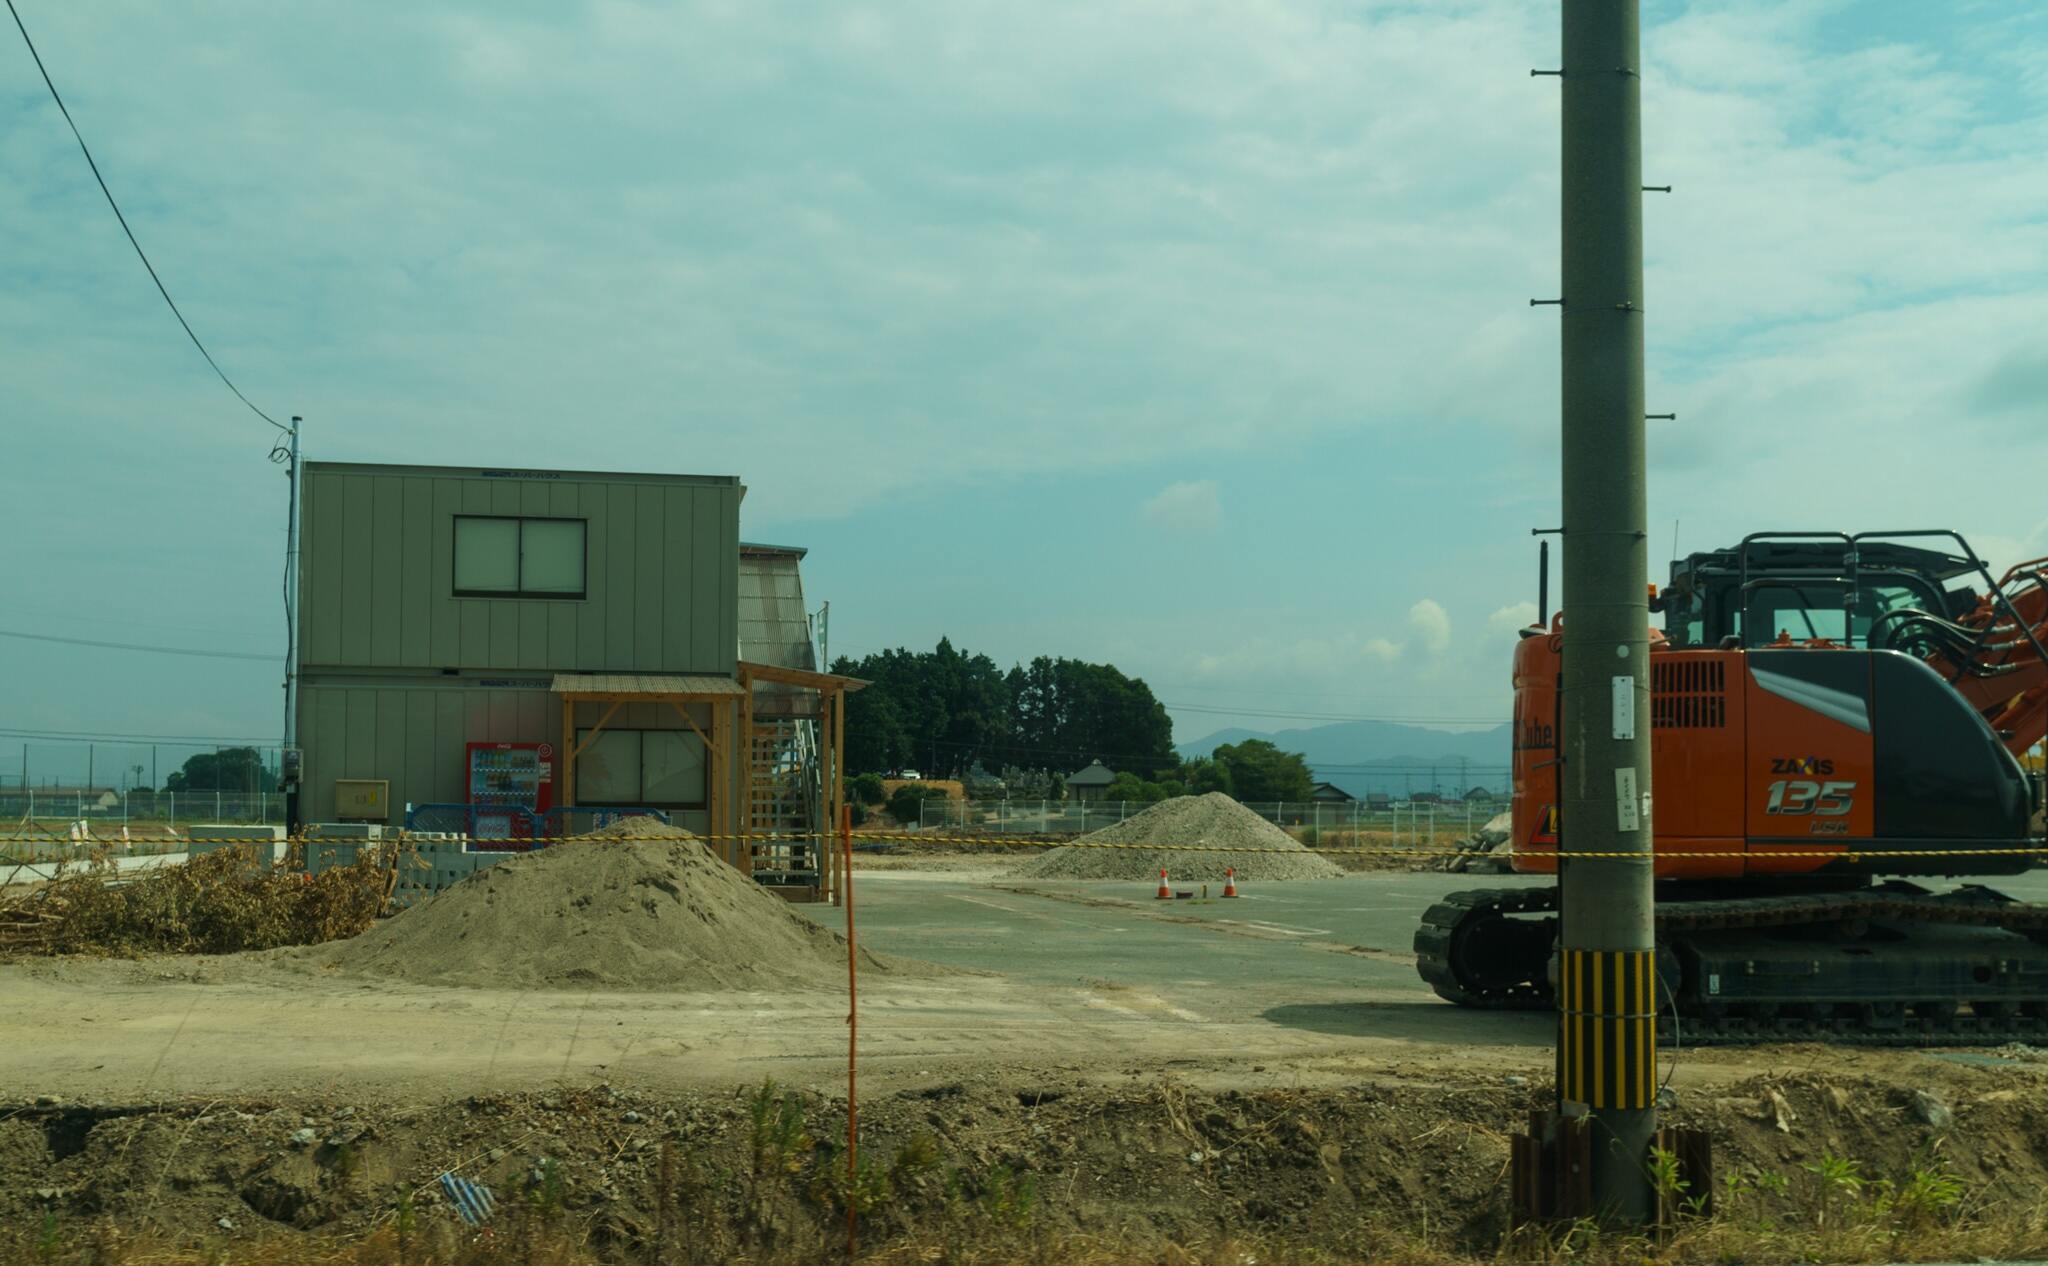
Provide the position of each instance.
(1068, 711)
(1260, 772)
(230, 769)
(946, 710)
(1204, 775)
(1132, 787)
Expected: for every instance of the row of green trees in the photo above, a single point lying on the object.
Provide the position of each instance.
(946, 711)
(1253, 770)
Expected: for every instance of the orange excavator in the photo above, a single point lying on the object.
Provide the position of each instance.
(1833, 717)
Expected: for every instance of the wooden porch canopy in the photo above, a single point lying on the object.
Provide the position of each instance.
(728, 745)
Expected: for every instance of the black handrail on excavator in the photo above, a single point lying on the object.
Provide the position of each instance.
(1851, 558)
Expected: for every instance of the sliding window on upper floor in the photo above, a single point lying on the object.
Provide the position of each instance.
(499, 556)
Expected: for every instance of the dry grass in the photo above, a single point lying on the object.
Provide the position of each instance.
(220, 902)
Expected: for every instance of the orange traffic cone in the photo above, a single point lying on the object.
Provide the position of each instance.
(1165, 893)
(1229, 881)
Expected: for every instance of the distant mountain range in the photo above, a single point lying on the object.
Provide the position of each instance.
(1367, 756)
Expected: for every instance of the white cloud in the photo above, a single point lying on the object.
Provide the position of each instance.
(1379, 648)
(1432, 624)
(1507, 622)
(1187, 507)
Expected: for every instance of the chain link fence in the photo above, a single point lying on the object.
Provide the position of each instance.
(1397, 822)
(46, 810)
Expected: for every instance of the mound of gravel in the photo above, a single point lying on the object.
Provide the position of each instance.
(1211, 821)
(637, 913)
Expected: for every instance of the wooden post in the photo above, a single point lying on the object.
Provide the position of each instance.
(828, 808)
(568, 751)
(746, 844)
(714, 763)
(839, 811)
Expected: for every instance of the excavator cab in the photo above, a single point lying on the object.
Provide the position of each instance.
(1775, 588)
(1829, 713)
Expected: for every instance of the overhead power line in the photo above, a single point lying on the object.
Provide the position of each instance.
(139, 253)
(135, 646)
(87, 736)
(1230, 710)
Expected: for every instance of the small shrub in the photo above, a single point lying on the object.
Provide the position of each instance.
(780, 1143)
(866, 790)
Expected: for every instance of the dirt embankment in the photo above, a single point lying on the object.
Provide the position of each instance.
(709, 1176)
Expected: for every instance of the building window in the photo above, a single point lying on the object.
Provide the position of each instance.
(658, 768)
(501, 557)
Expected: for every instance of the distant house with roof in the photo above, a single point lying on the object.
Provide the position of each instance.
(1330, 793)
(1088, 785)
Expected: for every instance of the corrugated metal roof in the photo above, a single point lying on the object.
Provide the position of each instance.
(774, 627)
(651, 684)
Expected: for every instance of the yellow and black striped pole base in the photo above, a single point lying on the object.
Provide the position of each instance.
(1607, 1028)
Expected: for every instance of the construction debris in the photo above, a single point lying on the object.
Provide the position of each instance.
(215, 903)
(1476, 852)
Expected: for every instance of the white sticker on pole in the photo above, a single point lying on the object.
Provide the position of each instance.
(1626, 815)
(1624, 707)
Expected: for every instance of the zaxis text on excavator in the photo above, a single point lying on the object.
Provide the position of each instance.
(1830, 714)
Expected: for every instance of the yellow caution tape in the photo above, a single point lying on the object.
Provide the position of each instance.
(518, 843)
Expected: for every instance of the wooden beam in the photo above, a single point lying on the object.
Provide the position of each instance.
(630, 696)
(691, 721)
(798, 677)
(597, 729)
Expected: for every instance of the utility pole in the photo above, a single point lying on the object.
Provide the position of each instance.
(287, 757)
(1607, 940)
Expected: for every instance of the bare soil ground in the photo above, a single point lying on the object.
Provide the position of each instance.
(706, 1175)
(215, 1100)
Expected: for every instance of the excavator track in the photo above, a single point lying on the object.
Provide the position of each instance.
(1454, 927)
(1471, 946)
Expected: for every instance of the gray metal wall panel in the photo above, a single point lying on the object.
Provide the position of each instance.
(445, 615)
(661, 576)
(728, 564)
(475, 615)
(421, 739)
(705, 584)
(320, 572)
(357, 567)
(387, 575)
(654, 547)
(389, 755)
(619, 597)
(416, 575)
(451, 730)
(590, 618)
(358, 756)
(504, 613)
(677, 510)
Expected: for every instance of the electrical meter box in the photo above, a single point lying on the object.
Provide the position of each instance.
(362, 799)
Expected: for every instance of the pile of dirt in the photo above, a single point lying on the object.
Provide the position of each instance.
(636, 913)
(1161, 838)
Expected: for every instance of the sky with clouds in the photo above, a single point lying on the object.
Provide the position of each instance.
(1193, 337)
